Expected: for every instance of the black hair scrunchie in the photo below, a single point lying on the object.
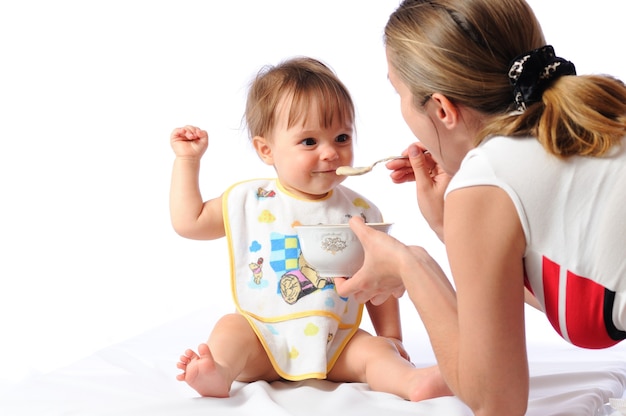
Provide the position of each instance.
(532, 72)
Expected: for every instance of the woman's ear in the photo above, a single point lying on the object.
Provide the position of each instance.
(445, 110)
(263, 149)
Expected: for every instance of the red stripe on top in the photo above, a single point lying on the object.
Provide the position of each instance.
(585, 313)
(551, 272)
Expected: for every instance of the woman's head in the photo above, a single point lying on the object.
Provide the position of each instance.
(461, 48)
(465, 49)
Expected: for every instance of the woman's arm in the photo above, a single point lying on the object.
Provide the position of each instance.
(486, 363)
(477, 332)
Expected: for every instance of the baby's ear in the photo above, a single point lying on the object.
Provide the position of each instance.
(263, 149)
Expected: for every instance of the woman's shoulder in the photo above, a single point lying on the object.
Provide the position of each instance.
(504, 145)
(510, 154)
(498, 161)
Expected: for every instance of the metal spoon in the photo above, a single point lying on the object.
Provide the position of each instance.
(355, 171)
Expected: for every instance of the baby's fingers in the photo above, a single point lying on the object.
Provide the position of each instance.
(195, 132)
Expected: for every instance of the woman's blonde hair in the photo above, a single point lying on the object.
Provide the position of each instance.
(463, 49)
(303, 82)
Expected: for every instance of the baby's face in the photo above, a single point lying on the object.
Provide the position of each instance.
(307, 154)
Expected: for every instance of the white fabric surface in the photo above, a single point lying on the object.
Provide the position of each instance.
(137, 377)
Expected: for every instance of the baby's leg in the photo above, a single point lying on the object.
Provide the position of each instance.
(377, 362)
(233, 352)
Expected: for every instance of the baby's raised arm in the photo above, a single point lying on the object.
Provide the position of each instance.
(190, 216)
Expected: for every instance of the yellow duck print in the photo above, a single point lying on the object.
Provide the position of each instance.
(267, 217)
(360, 202)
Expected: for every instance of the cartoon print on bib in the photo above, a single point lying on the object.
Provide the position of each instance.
(257, 270)
(264, 193)
(297, 277)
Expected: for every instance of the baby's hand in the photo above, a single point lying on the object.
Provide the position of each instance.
(189, 141)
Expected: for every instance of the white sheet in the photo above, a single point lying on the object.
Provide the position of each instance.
(137, 377)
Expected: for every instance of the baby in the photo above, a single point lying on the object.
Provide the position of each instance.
(290, 324)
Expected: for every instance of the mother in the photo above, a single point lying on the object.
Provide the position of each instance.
(531, 162)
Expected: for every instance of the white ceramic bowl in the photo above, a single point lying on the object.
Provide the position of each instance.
(333, 250)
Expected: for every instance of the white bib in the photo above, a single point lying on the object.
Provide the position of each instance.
(299, 318)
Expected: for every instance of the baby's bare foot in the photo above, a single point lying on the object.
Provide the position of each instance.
(202, 373)
(428, 385)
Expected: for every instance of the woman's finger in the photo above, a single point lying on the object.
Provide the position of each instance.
(422, 166)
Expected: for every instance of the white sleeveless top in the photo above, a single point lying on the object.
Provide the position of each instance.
(573, 212)
(299, 318)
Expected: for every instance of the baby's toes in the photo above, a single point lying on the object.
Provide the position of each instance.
(191, 354)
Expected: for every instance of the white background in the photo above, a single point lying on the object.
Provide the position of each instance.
(89, 92)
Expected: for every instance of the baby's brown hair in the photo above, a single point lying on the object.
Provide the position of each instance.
(304, 82)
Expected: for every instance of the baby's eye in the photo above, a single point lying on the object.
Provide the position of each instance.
(309, 141)
(342, 138)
